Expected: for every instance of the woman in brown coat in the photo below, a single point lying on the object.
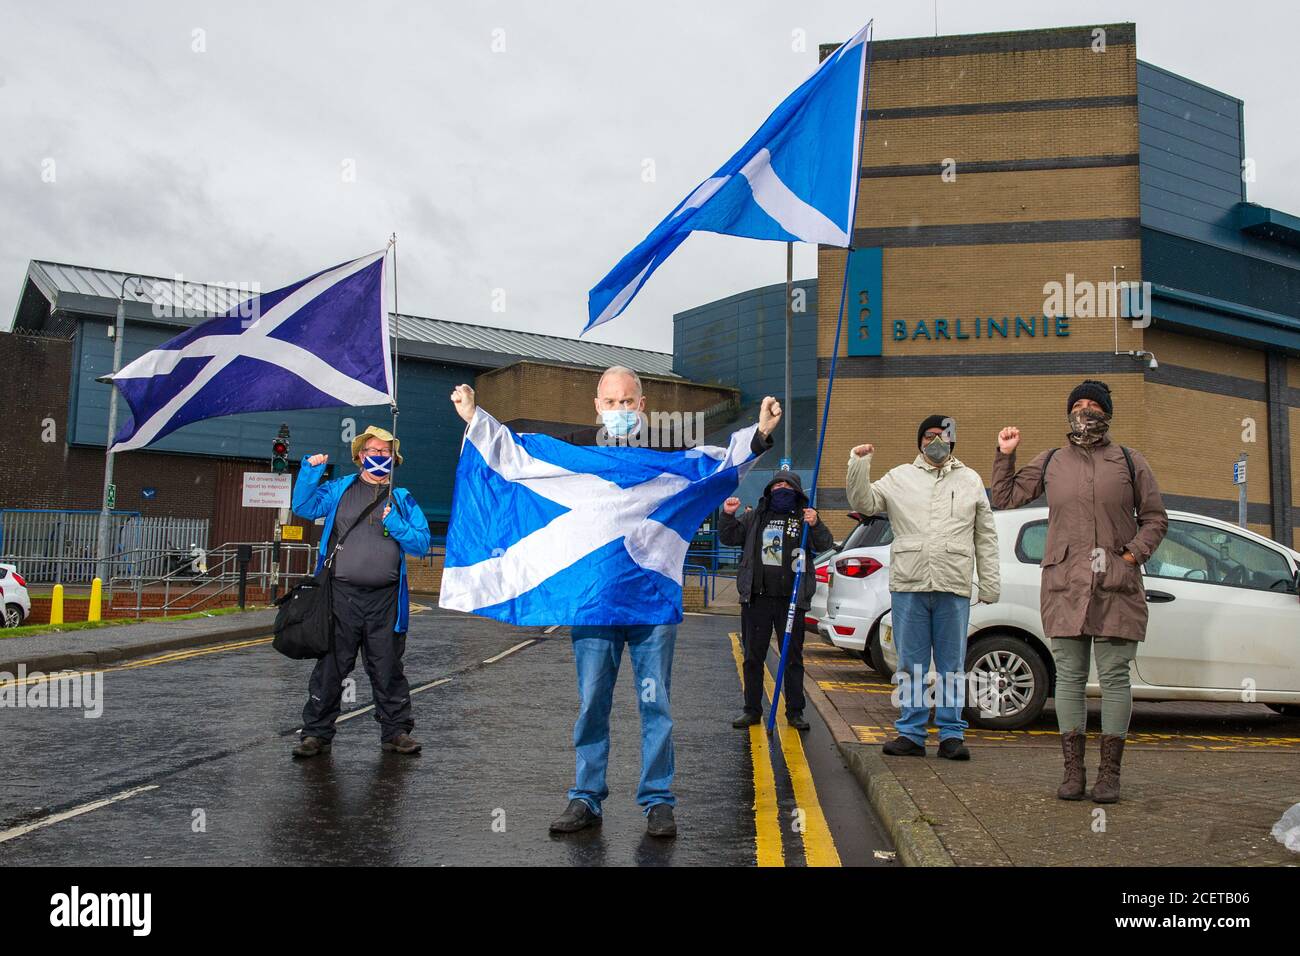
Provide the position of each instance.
(1104, 519)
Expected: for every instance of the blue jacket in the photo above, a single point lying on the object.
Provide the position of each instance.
(405, 523)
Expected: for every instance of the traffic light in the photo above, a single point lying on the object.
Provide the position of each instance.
(280, 451)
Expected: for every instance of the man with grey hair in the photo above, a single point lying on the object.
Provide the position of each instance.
(598, 650)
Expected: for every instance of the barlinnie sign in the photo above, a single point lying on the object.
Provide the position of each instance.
(265, 490)
(980, 327)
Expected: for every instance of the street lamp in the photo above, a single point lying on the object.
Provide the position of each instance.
(102, 547)
(1142, 355)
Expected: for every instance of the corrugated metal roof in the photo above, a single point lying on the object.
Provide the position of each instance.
(56, 279)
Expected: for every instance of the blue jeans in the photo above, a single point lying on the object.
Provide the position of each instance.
(925, 623)
(598, 651)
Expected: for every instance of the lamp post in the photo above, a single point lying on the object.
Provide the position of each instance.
(102, 546)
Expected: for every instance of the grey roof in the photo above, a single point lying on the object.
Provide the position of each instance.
(90, 291)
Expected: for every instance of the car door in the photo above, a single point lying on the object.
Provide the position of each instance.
(1224, 613)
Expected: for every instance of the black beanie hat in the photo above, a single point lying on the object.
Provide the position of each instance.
(934, 421)
(1099, 392)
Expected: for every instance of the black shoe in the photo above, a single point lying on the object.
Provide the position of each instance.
(953, 749)
(311, 747)
(747, 719)
(797, 722)
(903, 747)
(577, 816)
(660, 822)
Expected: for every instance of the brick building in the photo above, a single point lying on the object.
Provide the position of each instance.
(994, 165)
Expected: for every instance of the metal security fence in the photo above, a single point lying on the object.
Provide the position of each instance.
(58, 547)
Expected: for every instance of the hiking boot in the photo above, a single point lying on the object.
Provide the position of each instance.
(660, 822)
(797, 721)
(577, 816)
(1106, 789)
(311, 747)
(1075, 784)
(903, 747)
(953, 749)
(747, 719)
(402, 744)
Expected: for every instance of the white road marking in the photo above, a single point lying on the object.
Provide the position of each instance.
(518, 647)
(74, 812)
(552, 629)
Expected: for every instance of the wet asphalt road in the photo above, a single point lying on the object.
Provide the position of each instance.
(210, 733)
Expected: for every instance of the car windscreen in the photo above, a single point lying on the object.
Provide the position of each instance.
(874, 532)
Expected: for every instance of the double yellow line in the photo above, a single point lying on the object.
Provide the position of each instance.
(818, 844)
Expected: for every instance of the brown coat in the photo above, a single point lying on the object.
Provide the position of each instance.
(1087, 587)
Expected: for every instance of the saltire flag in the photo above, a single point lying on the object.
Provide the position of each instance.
(320, 342)
(544, 532)
(795, 180)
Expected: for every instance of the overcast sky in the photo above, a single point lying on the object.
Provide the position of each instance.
(520, 170)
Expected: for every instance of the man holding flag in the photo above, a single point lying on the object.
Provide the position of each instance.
(595, 530)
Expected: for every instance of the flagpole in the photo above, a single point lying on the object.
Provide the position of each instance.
(826, 410)
(397, 329)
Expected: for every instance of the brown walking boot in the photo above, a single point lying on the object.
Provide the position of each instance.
(1075, 784)
(1106, 789)
(311, 747)
(401, 744)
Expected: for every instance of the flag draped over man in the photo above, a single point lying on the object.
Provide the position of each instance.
(796, 180)
(544, 532)
(320, 342)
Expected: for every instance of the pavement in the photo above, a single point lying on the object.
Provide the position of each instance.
(187, 761)
(1202, 783)
(97, 646)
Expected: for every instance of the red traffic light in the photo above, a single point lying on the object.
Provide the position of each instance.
(280, 448)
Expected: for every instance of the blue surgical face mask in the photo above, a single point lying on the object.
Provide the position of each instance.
(620, 424)
(377, 466)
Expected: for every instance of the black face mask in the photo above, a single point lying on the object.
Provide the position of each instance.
(782, 499)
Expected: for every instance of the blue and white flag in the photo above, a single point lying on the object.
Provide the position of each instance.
(314, 344)
(544, 532)
(795, 180)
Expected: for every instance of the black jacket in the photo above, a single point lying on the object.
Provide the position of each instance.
(744, 530)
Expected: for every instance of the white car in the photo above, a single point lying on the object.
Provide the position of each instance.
(1224, 622)
(14, 602)
(853, 590)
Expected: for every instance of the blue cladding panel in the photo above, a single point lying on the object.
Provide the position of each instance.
(428, 428)
(740, 341)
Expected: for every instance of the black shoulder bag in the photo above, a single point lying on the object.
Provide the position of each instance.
(304, 624)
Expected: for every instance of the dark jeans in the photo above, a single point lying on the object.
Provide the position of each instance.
(363, 620)
(759, 618)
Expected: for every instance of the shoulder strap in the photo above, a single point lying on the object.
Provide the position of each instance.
(1047, 461)
(365, 513)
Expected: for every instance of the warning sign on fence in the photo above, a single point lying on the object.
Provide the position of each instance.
(265, 490)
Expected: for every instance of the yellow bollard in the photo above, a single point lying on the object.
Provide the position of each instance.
(56, 605)
(96, 595)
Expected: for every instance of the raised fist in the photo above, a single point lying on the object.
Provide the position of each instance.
(318, 459)
(731, 505)
(462, 396)
(1008, 439)
(862, 450)
(769, 416)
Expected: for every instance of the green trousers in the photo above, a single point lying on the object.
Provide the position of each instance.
(1114, 654)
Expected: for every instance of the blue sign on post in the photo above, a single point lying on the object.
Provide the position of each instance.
(1239, 472)
(866, 314)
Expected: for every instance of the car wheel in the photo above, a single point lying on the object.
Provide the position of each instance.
(1286, 710)
(874, 656)
(13, 616)
(1015, 677)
